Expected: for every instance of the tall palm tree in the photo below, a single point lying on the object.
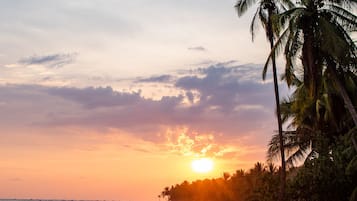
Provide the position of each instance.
(317, 31)
(264, 13)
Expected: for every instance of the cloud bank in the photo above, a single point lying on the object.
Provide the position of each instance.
(216, 101)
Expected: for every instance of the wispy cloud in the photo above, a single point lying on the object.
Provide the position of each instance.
(160, 78)
(51, 60)
(197, 48)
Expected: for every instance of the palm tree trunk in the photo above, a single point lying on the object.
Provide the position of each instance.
(278, 113)
(280, 130)
(312, 66)
(346, 99)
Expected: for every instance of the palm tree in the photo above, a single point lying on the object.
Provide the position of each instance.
(264, 13)
(347, 100)
(326, 116)
(317, 31)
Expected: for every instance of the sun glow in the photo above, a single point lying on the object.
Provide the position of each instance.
(202, 165)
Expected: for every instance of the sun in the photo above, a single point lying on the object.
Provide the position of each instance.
(202, 165)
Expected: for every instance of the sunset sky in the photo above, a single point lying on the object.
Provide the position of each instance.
(114, 99)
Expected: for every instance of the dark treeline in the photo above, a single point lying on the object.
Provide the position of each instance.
(240, 186)
(332, 177)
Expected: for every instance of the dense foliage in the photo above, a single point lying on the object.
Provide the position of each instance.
(332, 176)
(259, 183)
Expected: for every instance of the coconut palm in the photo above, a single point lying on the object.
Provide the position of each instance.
(337, 77)
(264, 13)
(327, 116)
(317, 31)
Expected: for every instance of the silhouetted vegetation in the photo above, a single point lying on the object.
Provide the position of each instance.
(259, 182)
(332, 176)
(266, 10)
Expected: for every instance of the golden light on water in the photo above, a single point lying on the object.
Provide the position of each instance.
(202, 165)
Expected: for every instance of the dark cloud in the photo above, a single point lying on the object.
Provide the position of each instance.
(51, 61)
(160, 79)
(216, 99)
(222, 87)
(225, 63)
(47, 78)
(190, 96)
(91, 97)
(197, 48)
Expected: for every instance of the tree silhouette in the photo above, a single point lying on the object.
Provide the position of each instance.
(264, 13)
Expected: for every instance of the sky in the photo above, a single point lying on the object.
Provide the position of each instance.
(114, 99)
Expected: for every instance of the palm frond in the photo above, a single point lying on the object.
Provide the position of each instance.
(263, 17)
(294, 16)
(349, 4)
(253, 24)
(285, 108)
(313, 154)
(298, 156)
(243, 5)
(293, 45)
(336, 42)
(275, 50)
(286, 16)
(273, 148)
(286, 4)
(296, 148)
(345, 18)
